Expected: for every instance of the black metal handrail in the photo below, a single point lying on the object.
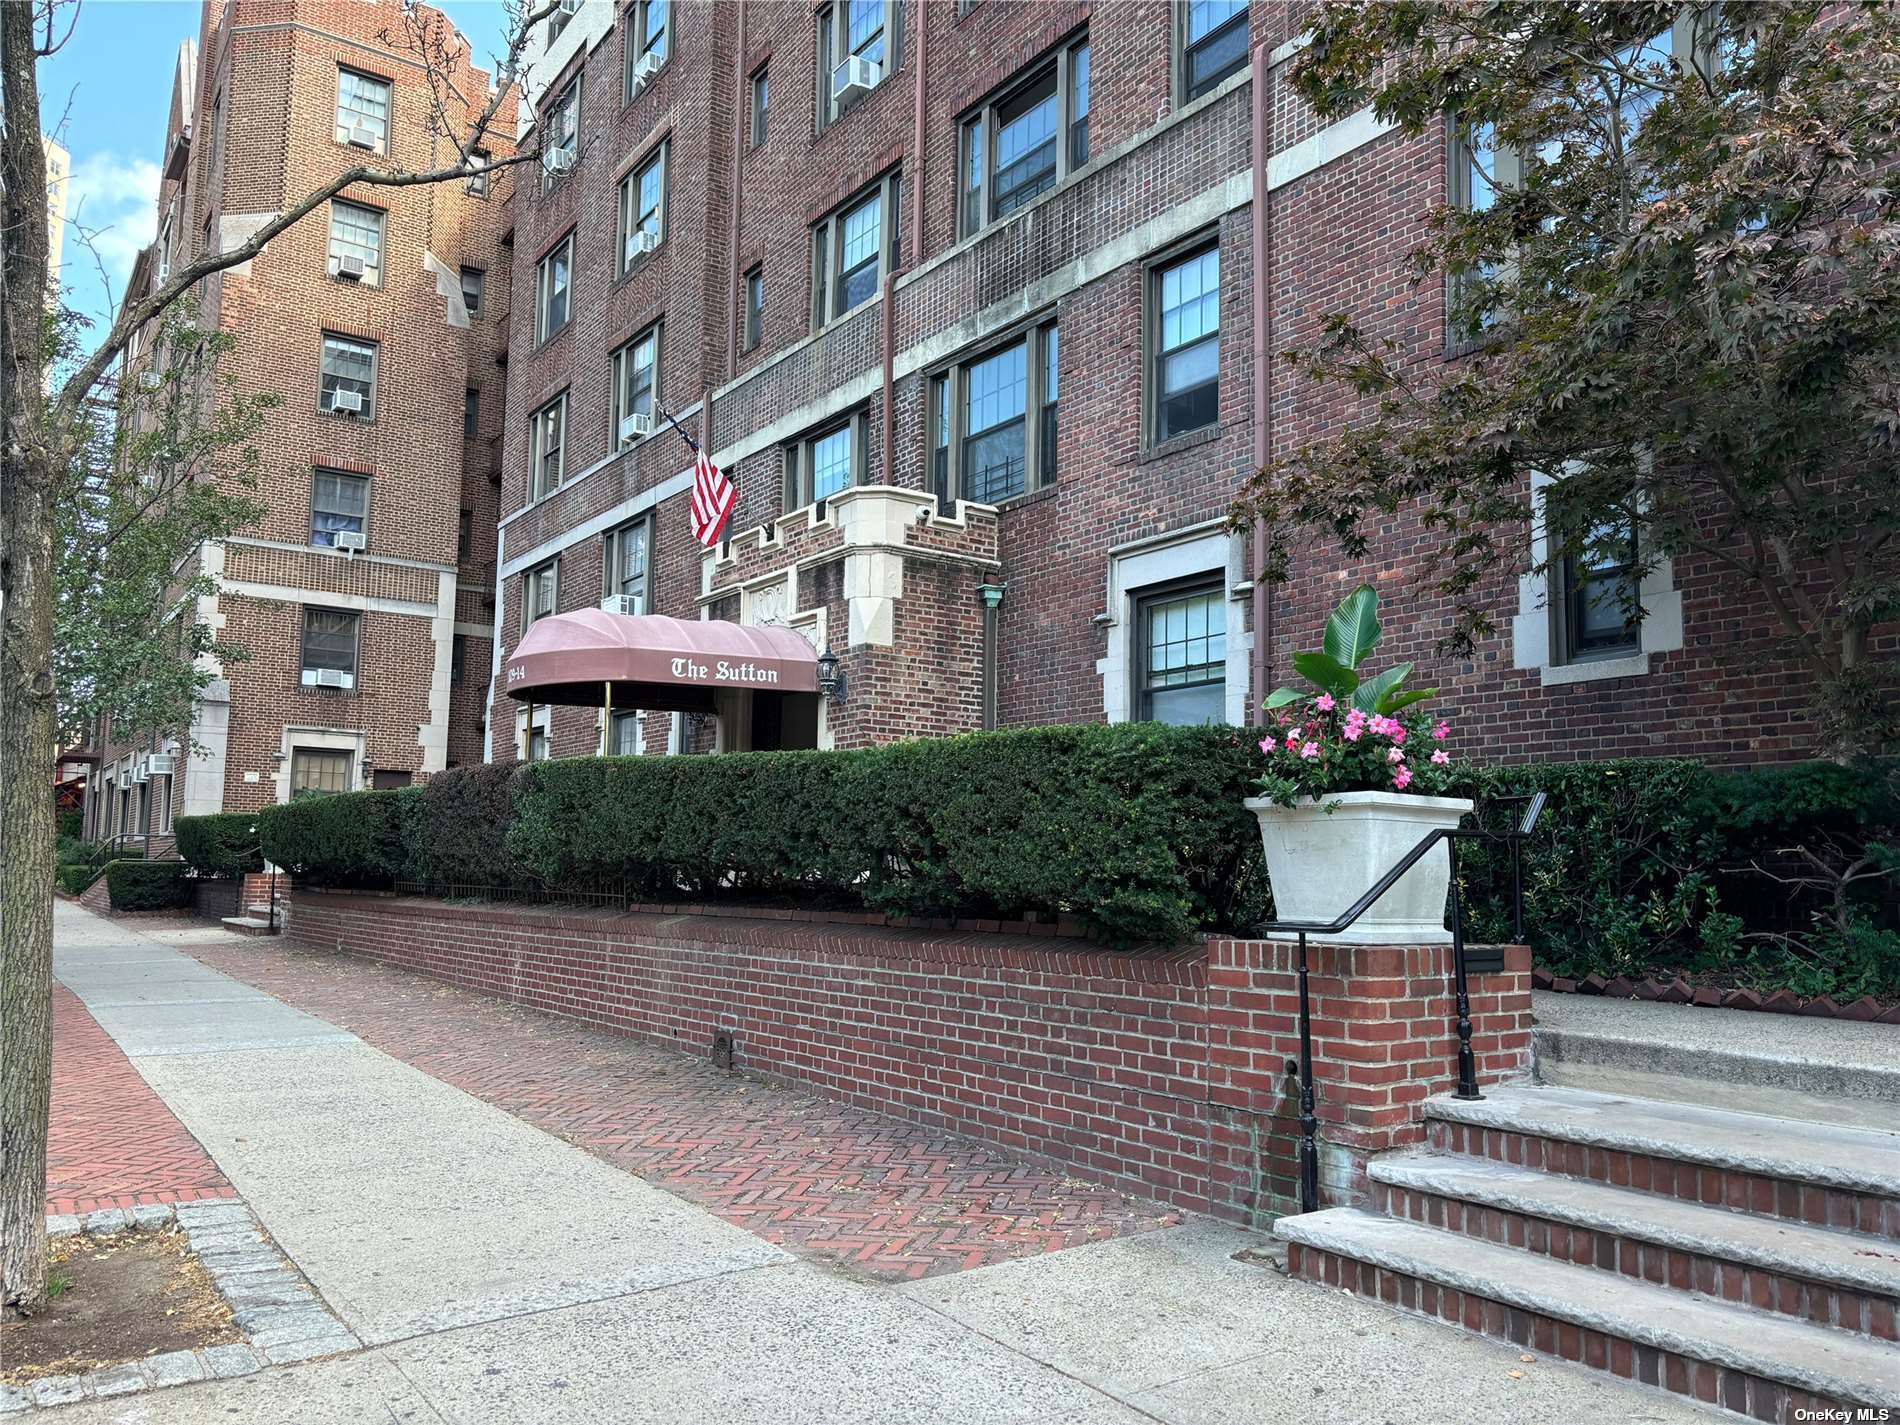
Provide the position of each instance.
(1467, 1064)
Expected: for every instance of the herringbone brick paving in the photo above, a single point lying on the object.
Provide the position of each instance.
(882, 1197)
(111, 1141)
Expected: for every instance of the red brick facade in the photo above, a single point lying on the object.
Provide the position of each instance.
(1124, 513)
(1162, 1072)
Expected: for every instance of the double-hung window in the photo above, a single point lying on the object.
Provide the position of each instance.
(849, 250)
(856, 52)
(623, 738)
(473, 280)
(823, 463)
(754, 307)
(993, 418)
(320, 770)
(540, 593)
(561, 144)
(1181, 675)
(471, 412)
(347, 386)
(330, 640)
(479, 159)
(636, 387)
(1212, 44)
(628, 560)
(553, 285)
(1597, 615)
(356, 242)
(1026, 139)
(1184, 307)
(647, 41)
(760, 100)
(643, 209)
(547, 447)
(362, 110)
(339, 504)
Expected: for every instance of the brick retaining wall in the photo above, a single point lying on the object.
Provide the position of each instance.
(1159, 1072)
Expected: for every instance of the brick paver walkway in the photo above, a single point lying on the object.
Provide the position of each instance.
(875, 1194)
(112, 1142)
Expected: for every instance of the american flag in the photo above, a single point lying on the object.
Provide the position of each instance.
(713, 498)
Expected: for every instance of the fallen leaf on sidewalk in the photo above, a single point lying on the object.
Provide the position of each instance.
(1527, 1358)
(1515, 1375)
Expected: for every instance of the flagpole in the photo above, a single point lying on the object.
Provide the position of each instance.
(691, 444)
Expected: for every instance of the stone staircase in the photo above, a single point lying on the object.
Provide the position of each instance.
(1745, 1260)
(256, 920)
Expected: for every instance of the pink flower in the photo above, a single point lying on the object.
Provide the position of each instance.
(1442, 731)
(1310, 751)
(1352, 731)
(1324, 702)
(1440, 757)
(1402, 778)
(1267, 744)
(1392, 754)
(1398, 732)
(1283, 719)
(1293, 738)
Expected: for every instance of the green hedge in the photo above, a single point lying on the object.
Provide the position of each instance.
(351, 839)
(456, 835)
(148, 885)
(76, 877)
(222, 845)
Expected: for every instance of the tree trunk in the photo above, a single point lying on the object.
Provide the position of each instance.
(26, 679)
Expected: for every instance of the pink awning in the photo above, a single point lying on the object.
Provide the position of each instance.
(653, 661)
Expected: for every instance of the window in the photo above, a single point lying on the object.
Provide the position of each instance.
(1213, 44)
(471, 413)
(478, 182)
(848, 30)
(643, 209)
(759, 107)
(563, 146)
(347, 386)
(823, 464)
(624, 739)
(848, 250)
(356, 234)
(547, 438)
(1480, 166)
(540, 593)
(653, 22)
(1182, 674)
(320, 769)
(362, 110)
(558, 22)
(553, 280)
(464, 536)
(1186, 327)
(628, 557)
(1597, 615)
(754, 307)
(339, 504)
(636, 385)
(472, 279)
(1026, 139)
(458, 661)
(330, 638)
(996, 415)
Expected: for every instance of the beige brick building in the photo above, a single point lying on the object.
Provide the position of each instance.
(380, 321)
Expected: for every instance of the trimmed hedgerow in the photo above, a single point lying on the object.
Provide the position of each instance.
(225, 844)
(354, 839)
(148, 885)
(76, 877)
(456, 835)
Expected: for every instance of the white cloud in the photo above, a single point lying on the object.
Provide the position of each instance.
(116, 198)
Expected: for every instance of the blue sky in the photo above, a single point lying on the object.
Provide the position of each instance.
(112, 86)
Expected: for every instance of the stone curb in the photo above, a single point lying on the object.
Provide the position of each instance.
(271, 1303)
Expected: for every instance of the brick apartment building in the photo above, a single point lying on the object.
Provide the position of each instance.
(966, 297)
(363, 596)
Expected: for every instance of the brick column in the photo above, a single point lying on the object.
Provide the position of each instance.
(1383, 1042)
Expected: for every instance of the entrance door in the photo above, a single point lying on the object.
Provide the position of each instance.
(784, 721)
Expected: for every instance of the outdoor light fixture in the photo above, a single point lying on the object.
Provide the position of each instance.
(831, 681)
(369, 771)
(278, 758)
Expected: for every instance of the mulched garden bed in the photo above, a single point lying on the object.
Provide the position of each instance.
(119, 1298)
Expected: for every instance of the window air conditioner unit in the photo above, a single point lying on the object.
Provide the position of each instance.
(328, 677)
(342, 399)
(855, 77)
(349, 268)
(644, 69)
(560, 161)
(634, 427)
(362, 137)
(628, 604)
(164, 764)
(351, 542)
(640, 242)
(151, 380)
(142, 768)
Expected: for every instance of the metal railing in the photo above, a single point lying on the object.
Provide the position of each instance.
(1467, 1064)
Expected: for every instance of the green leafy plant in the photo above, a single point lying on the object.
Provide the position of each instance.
(1352, 632)
(226, 844)
(148, 885)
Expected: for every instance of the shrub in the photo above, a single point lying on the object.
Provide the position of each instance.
(67, 823)
(76, 878)
(354, 839)
(225, 844)
(148, 885)
(457, 834)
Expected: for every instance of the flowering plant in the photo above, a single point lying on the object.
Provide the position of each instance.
(1347, 735)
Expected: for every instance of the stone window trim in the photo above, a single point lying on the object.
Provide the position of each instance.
(619, 406)
(1140, 567)
(1060, 74)
(547, 448)
(352, 619)
(800, 463)
(828, 269)
(626, 733)
(540, 593)
(1211, 587)
(946, 448)
(335, 350)
(538, 737)
(1153, 272)
(328, 519)
(881, 41)
(1537, 640)
(318, 740)
(1186, 91)
(631, 212)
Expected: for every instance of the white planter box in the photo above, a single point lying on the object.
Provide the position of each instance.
(1327, 852)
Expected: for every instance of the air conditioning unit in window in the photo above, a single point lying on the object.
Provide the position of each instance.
(350, 542)
(151, 380)
(560, 161)
(363, 137)
(328, 678)
(343, 399)
(634, 427)
(628, 604)
(164, 764)
(640, 242)
(349, 268)
(142, 768)
(644, 69)
(854, 78)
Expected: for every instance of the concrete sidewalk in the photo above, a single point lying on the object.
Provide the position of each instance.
(499, 1274)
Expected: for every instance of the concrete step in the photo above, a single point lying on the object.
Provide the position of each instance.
(1818, 1274)
(248, 925)
(1768, 1367)
(1821, 1173)
(1787, 1066)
